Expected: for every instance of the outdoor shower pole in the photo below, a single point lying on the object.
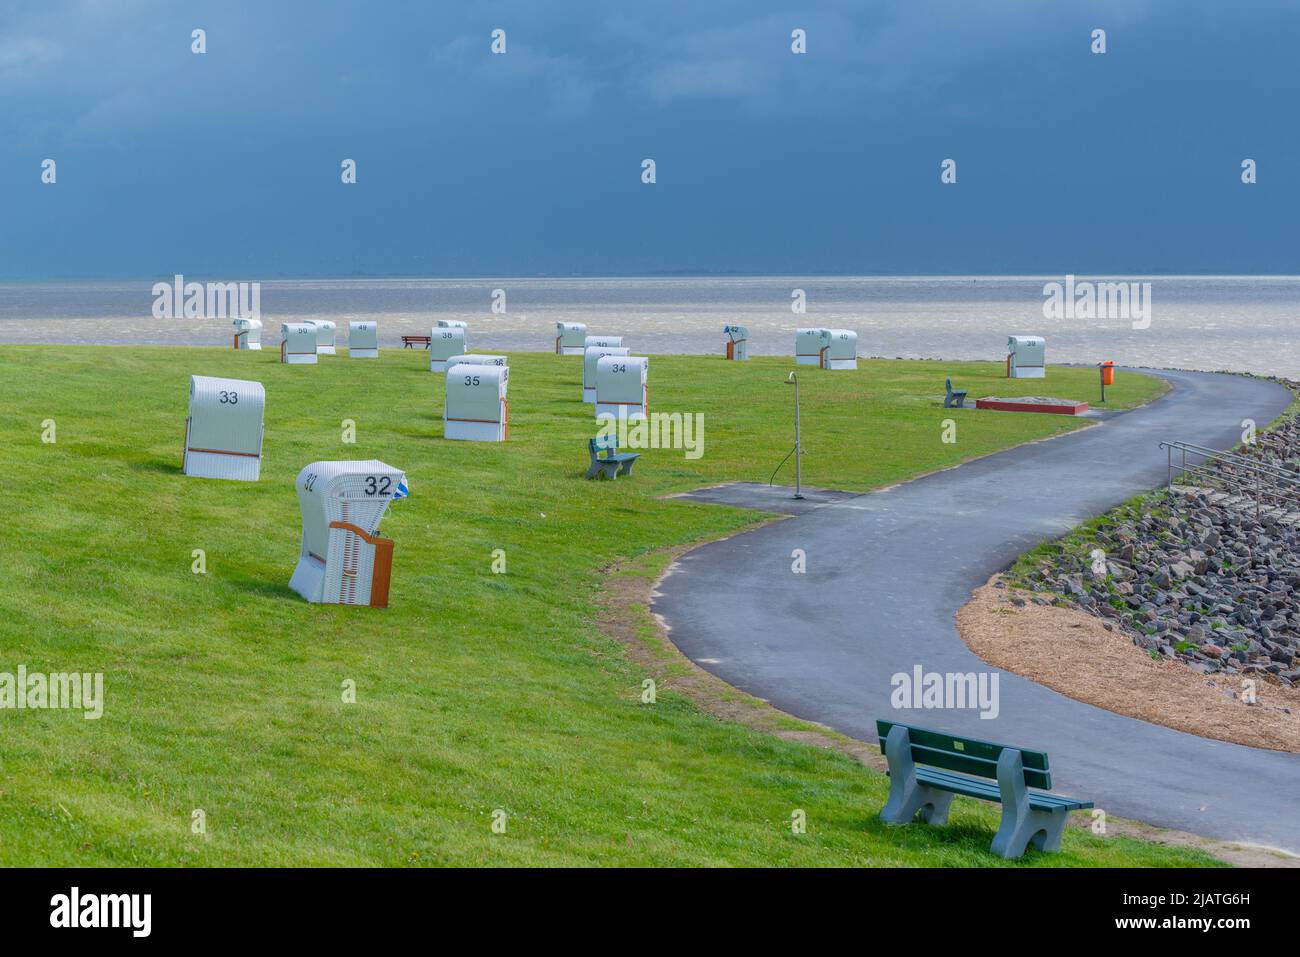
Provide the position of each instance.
(798, 448)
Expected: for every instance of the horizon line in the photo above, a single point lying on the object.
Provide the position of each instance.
(444, 277)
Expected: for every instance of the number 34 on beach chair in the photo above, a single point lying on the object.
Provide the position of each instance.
(621, 390)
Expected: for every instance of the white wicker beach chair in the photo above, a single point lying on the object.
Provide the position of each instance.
(223, 431)
(343, 560)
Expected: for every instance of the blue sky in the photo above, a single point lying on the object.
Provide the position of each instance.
(529, 163)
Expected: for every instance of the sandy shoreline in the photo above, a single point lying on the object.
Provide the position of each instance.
(698, 335)
(1203, 323)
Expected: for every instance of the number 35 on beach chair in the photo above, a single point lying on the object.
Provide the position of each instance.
(476, 408)
(342, 560)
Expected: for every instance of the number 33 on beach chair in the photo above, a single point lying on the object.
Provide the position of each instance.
(342, 560)
(223, 433)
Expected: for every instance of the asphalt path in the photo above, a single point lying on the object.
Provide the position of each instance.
(887, 571)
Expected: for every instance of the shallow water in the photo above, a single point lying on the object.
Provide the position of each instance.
(1203, 322)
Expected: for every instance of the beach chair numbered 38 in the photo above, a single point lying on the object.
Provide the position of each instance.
(445, 342)
(1026, 357)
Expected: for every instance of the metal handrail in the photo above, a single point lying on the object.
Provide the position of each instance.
(1237, 461)
(1250, 492)
(1258, 483)
(1276, 471)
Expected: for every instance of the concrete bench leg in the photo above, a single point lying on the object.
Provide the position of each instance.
(626, 467)
(1041, 828)
(907, 800)
(907, 796)
(1022, 824)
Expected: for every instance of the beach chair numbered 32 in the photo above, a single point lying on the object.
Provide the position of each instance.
(342, 560)
(443, 344)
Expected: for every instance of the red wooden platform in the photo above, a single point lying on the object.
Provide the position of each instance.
(1010, 405)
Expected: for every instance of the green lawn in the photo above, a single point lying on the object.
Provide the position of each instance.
(475, 691)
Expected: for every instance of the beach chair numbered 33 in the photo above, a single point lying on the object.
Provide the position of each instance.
(223, 432)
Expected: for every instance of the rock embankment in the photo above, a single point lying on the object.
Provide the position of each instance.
(1202, 576)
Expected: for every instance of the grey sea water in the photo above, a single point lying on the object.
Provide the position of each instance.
(1242, 323)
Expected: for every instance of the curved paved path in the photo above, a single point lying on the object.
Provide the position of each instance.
(887, 571)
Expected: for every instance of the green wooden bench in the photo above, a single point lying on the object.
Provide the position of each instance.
(926, 768)
(956, 398)
(613, 463)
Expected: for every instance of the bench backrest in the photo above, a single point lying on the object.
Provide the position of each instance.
(604, 443)
(947, 384)
(968, 755)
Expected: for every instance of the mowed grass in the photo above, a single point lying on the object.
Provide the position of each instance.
(474, 691)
